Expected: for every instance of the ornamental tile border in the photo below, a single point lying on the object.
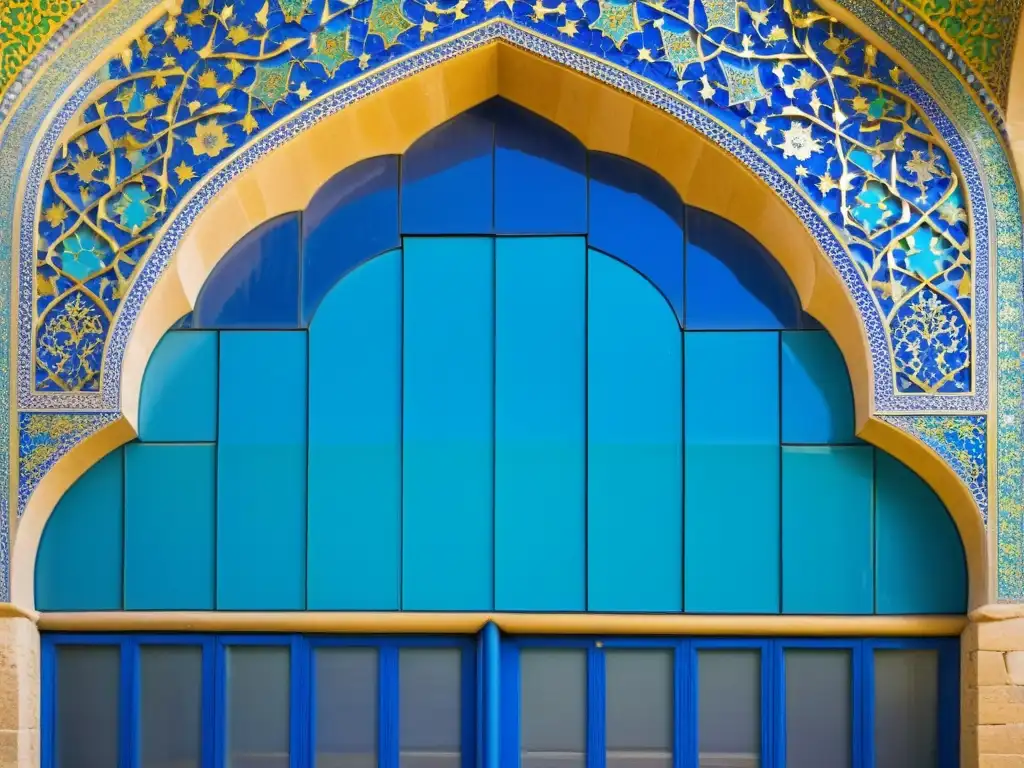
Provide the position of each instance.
(1001, 189)
(18, 133)
(934, 430)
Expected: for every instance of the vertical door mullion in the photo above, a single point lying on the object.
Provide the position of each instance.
(595, 707)
(220, 700)
(769, 688)
(867, 692)
(510, 703)
(858, 728)
(684, 746)
(208, 718)
(492, 695)
(387, 747)
(48, 708)
(299, 703)
(128, 703)
(777, 719)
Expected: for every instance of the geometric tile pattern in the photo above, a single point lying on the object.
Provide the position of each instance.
(801, 89)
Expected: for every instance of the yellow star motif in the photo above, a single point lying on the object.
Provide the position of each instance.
(184, 172)
(427, 28)
(303, 93)
(364, 60)
(761, 129)
(569, 28)
(87, 166)
(707, 90)
(55, 214)
(644, 54)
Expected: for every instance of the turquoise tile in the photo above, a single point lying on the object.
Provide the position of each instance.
(447, 473)
(817, 399)
(731, 473)
(81, 555)
(261, 471)
(634, 477)
(731, 536)
(920, 565)
(169, 527)
(540, 424)
(828, 530)
(178, 401)
(355, 448)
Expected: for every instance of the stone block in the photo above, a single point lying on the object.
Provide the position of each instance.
(1001, 761)
(1000, 705)
(1001, 739)
(1015, 667)
(997, 635)
(19, 749)
(991, 668)
(19, 675)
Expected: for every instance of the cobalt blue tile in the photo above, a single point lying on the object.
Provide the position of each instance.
(352, 218)
(732, 282)
(540, 175)
(448, 179)
(637, 217)
(817, 400)
(256, 285)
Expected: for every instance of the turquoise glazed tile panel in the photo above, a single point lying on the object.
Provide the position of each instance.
(732, 472)
(355, 442)
(634, 440)
(448, 179)
(256, 285)
(636, 216)
(261, 471)
(178, 401)
(817, 399)
(448, 391)
(732, 282)
(919, 558)
(540, 175)
(169, 508)
(337, 234)
(828, 530)
(72, 577)
(540, 424)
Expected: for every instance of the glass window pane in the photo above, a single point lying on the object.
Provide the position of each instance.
(171, 707)
(429, 707)
(258, 709)
(553, 702)
(88, 680)
(819, 709)
(346, 707)
(729, 708)
(906, 709)
(639, 708)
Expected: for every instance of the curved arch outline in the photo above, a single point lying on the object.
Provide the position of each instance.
(389, 121)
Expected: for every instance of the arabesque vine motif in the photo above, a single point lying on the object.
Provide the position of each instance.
(802, 89)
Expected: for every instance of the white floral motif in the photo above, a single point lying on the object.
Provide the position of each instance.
(798, 142)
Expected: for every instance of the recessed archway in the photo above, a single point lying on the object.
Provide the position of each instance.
(604, 120)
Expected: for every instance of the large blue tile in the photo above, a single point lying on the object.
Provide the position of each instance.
(261, 471)
(637, 217)
(355, 442)
(448, 179)
(256, 284)
(634, 477)
(352, 218)
(169, 525)
(178, 401)
(540, 424)
(817, 399)
(81, 555)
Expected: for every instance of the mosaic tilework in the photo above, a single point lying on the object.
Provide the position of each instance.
(961, 441)
(1001, 190)
(18, 133)
(803, 91)
(983, 34)
(968, 117)
(25, 28)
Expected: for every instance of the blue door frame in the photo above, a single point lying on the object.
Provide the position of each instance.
(490, 691)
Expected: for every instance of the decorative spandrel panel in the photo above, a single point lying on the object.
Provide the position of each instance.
(824, 117)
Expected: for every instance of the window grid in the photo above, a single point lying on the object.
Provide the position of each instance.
(490, 691)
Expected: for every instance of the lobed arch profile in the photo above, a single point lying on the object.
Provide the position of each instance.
(604, 120)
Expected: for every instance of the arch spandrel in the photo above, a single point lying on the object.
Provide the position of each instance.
(708, 176)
